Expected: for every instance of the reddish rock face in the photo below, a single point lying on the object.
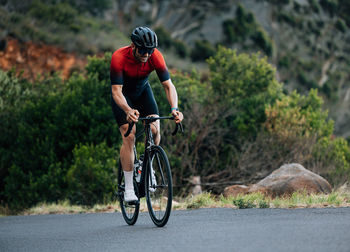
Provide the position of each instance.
(286, 180)
(34, 59)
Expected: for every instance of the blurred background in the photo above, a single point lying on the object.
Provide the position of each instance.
(276, 89)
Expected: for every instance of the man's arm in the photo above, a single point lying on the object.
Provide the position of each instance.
(119, 98)
(171, 95)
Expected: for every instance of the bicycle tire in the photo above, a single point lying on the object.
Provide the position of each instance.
(130, 212)
(161, 192)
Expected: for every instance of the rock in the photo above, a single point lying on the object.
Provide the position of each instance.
(291, 178)
(286, 180)
(235, 190)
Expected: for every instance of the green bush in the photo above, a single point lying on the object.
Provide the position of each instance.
(333, 158)
(180, 48)
(298, 116)
(164, 38)
(92, 176)
(306, 82)
(46, 128)
(202, 50)
(330, 6)
(263, 41)
(284, 61)
(99, 66)
(95, 7)
(341, 26)
(344, 11)
(314, 5)
(246, 84)
(61, 13)
(240, 28)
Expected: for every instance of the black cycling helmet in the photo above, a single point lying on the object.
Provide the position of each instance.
(144, 37)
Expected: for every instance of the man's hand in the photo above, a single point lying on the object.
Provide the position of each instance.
(178, 116)
(132, 115)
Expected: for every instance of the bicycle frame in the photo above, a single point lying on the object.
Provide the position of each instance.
(148, 145)
(146, 159)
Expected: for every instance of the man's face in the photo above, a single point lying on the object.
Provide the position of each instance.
(142, 54)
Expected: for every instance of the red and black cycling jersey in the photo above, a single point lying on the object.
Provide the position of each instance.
(132, 74)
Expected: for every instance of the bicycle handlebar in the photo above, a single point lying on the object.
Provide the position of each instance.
(153, 119)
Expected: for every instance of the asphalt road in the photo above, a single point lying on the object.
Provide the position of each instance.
(195, 230)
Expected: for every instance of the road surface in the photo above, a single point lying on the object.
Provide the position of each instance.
(221, 229)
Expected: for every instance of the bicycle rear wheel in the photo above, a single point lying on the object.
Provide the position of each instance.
(158, 186)
(130, 212)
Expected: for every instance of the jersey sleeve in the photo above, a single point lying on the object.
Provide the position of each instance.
(160, 66)
(116, 70)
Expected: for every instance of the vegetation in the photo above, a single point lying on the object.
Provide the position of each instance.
(166, 41)
(205, 200)
(60, 137)
(68, 24)
(244, 27)
(60, 143)
(202, 50)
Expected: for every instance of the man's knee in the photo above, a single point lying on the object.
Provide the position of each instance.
(130, 139)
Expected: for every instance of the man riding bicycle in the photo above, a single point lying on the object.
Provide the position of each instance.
(132, 95)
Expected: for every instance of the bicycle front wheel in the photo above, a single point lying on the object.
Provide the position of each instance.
(158, 186)
(130, 212)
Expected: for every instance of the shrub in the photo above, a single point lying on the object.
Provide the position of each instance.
(330, 6)
(164, 38)
(330, 90)
(314, 5)
(284, 61)
(332, 159)
(341, 26)
(240, 28)
(99, 66)
(299, 115)
(61, 13)
(92, 176)
(263, 41)
(180, 48)
(202, 50)
(46, 128)
(246, 84)
(308, 83)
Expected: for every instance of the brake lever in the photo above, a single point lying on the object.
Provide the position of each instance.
(177, 128)
(129, 129)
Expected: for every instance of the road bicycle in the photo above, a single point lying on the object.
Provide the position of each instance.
(152, 178)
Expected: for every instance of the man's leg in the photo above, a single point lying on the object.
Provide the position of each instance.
(127, 160)
(155, 127)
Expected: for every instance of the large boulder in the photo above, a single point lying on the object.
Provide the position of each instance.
(287, 179)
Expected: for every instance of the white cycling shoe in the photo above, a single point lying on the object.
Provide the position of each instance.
(129, 196)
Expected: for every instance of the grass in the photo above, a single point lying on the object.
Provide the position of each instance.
(205, 200)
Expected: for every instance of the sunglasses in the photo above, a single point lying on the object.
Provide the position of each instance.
(144, 50)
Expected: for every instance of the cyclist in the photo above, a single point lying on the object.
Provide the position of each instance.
(132, 95)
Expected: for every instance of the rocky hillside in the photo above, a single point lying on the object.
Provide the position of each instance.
(307, 40)
(34, 60)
